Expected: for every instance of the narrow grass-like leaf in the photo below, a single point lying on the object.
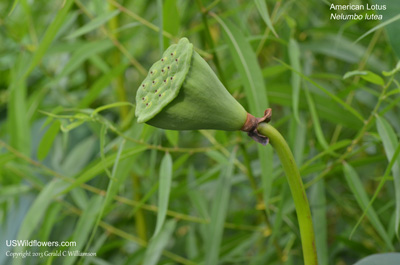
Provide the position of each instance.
(361, 196)
(294, 56)
(158, 243)
(367, 76)
(246, 63)
(318, 207)
(330, 94)
(15, 3)
(170, 19)
(36, 212)
(48, 139)
(84, 226)
(381, 25)
(390, 143)
(316, 125)
(94, 24)
(163, 191)
(98, 166)
(18, 126)
(392, 29)
(10, 191)
(263, 10)
(100, 84)
(378, 189)
(385, 258)
(110, 106)
(160, 26)
(113, 184)
(394, 71)
(83, 53)
(218, 214)
(50, 34)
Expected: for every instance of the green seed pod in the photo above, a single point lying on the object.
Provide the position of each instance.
(181, 92)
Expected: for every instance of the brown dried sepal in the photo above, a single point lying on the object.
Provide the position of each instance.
(251, 124)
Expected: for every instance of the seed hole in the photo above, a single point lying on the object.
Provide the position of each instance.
(176, 60)
(169, 67)
(159, 95)
(151, 72)
(155, 91)
(165, 81)
(162, 70)
(142, 98)
(147, 104)
(172, 54)
(162, 60)
(154, 82)
(171, 77)
(143, 85)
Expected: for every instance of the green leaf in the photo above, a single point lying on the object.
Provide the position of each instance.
(387, 22)
(95, 23)
(81, 54)
(390, 143)
(96, 89)
(378, 259)
(219, 210)
(246, 63)
(367, 76)
(361, 196)
(327, 92)
(163, 191)
(393, 28)
(316, 124)
(50, 35)
(294, 56)
(319, 210)
(48, 139)
(263, 10)
(394, 71)
(84, 226)
(17, 120)
(171, 21)
(158, 243)
(97, 166)
(36, 212)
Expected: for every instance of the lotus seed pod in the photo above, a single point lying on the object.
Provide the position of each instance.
(181, 92)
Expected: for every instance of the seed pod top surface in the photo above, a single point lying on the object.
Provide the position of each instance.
(164, 80)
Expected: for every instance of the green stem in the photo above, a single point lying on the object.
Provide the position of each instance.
(298, 192)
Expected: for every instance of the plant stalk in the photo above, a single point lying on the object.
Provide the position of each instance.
(298, 192)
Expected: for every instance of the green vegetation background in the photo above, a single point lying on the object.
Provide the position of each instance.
(75, 165)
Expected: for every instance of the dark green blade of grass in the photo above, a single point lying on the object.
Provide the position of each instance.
(163, 191)
(93, 24)
(390, 143)
(50, 35)
(263, 10)
(246, 63)
(158, 243)
(98, 166)
(84, 227)
(48, 139)
(36, 213)
(357, 188)
(17, 121)
(170, 19)
(218, 214)
(294, 56)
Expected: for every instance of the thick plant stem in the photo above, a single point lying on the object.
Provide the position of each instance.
(297, 189)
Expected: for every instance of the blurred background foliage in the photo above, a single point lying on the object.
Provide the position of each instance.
(75, 165)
